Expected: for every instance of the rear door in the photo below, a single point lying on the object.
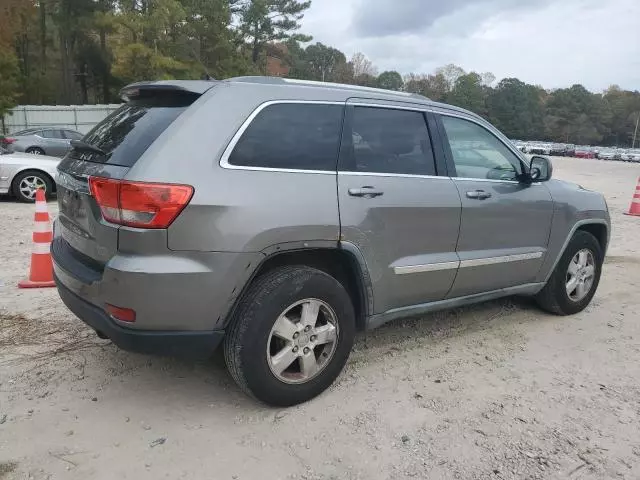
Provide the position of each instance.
(505, 224)
(55, 143)
(122, 138)
(394, 207)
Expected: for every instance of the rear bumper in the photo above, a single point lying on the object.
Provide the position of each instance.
(189, 344)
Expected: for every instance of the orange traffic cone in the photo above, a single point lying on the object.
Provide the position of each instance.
(41, 274)
(634, 209)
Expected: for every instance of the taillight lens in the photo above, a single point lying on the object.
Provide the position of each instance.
(7, 140)
(139, 204)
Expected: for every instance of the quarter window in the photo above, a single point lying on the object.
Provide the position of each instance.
(477, 153)
(292, 136)
(385, 140)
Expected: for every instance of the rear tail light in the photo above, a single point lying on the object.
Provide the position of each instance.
(7, 140)
(139, 204)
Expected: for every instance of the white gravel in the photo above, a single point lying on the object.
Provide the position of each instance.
(497, 391)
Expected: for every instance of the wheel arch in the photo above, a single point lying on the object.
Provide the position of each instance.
(343, 262)
(598, 227)
(35, 170)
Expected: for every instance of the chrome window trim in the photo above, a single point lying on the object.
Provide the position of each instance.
(511, 148)
(400, 175)
(417, 108)
(475, 262)
(224, 159)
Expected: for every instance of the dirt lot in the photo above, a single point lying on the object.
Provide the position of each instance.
(496, 391)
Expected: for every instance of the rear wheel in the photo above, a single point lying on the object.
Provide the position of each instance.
(26, 183)
(35, 151)
(575, 279)
(291, 335)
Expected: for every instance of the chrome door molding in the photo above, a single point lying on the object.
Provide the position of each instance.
(429, 267)
(474, 262)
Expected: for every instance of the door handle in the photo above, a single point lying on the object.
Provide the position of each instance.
(478, 194)
(366, 192)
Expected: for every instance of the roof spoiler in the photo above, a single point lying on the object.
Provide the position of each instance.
(193, 87)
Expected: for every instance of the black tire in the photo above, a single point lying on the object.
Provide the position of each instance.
(34, 151)
(46, 180)
(553, 297)
(245, 345)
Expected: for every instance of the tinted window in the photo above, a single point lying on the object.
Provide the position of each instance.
(52, 134)
(477, 153)
(290, 135)
(127, 133)
(70, 134)
(388, 141)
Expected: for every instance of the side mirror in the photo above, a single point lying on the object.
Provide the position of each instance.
(540, 169)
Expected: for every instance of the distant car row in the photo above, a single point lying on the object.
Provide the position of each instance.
(580, 151)
(55, 142)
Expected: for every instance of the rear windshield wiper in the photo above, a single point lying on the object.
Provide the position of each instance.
(80, 145)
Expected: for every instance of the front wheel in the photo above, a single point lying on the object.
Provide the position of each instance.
(290, 336)
(575, 279)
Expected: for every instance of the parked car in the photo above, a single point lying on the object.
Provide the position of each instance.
(22, 174)
(237, 234)
(631, 155)
(584, 152)
(569, 150)
(54, 142)
(557, 149)
(607, 154)
(540, 149)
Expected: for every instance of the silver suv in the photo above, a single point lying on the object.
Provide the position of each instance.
(279, 217)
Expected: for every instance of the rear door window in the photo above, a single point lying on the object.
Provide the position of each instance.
(127, 132)
(386, 140)
(291, 136)
(57, 134)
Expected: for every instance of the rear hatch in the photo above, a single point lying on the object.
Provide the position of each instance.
(89, 181)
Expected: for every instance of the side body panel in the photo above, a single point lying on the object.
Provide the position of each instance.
(407, 235)
(503, 239)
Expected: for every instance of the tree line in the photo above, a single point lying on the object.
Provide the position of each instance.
(84, 51)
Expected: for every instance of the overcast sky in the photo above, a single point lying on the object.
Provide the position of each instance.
(554, 43)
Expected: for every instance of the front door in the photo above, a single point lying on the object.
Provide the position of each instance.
(505, 224)
(394, 208)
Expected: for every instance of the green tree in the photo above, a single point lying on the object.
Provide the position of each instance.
(516, 109)
(9, 82)
(574, 116)
(135, 62)
(435, 87)
(390, 80)
(469, 93)
(264, 21)
(322, 62)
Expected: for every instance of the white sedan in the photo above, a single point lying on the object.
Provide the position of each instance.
(21, 174)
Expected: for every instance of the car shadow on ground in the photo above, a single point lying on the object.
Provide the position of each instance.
(124, 377)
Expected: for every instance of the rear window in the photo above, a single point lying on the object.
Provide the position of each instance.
(293, 136)
(127, 133)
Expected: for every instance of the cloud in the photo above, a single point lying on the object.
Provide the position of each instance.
(379, 18)
(551, 43)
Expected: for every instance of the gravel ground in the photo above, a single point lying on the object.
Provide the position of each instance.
(497, 391)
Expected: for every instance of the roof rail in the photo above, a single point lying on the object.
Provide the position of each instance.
(314, 83)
